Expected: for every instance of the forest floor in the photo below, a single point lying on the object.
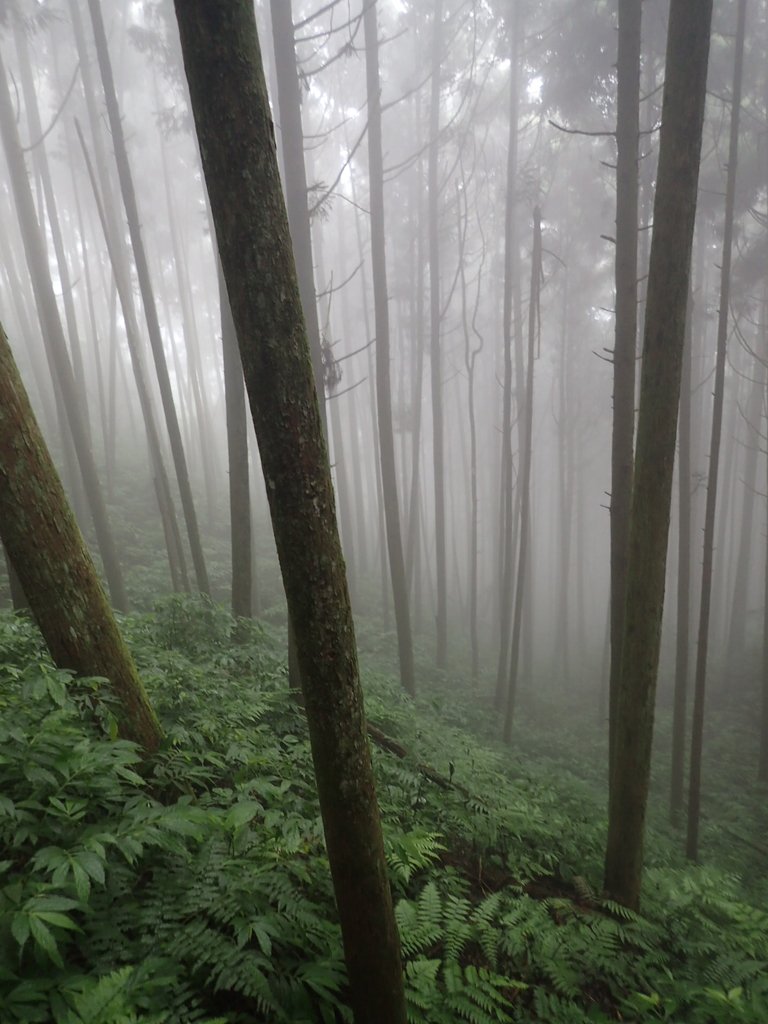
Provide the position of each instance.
(196, 889)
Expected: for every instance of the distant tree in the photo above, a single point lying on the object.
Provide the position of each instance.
(53, 565)
(667, 299)
(383, 387)
(231, 111)
(148, 297)
(55, 342)
(526, 465)
(436, 375)
(625, 344)
(700, 680)
(510, 303)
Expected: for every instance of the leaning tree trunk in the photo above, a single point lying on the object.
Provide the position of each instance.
(625, 344)
(670, 263)
(700, 681)
(231, 110)
(148, 298)
(55, 342)
(383, 388)
(54, 567)
(237, 450)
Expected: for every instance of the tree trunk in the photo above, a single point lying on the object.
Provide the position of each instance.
(625, 345)
(55, 570)
(674, 214)
(526, 458)
(697, 737)
(148, 297)
(231, 110)
(163, 488)
(506, 553)
(383, 387)
(237, 450)
(55, 342)
(436, 378)
(295, 180)
(682, 651)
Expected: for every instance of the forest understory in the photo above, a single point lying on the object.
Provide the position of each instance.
(195, 886)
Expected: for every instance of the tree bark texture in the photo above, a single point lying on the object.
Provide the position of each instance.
(237, 449)
(54, 567)
(231, 110)
(674, 215)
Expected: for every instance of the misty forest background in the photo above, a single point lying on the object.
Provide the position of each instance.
(460, 283)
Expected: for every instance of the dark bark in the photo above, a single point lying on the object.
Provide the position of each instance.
(383, 386)
(235, 133)
(700, 679)
(674, 214)
(54, 567)
(295, 180)
(148, 297)
(237, 450)
(627, 187)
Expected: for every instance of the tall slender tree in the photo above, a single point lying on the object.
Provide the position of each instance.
(231, 110)
(148, 297)
(700, 679)
(383, 386)
(55, 342)
(526, 461)
(667, 298)
(436, 374)
(625, 344)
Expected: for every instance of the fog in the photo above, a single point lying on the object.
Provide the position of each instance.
(553, 66)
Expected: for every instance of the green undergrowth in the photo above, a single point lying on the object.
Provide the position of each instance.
(196, 889)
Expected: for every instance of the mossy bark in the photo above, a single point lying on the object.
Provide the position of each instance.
(54, 567)
(229, 101)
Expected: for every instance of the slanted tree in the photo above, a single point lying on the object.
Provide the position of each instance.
(666, 302)
(53, 564)
(231, 110)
